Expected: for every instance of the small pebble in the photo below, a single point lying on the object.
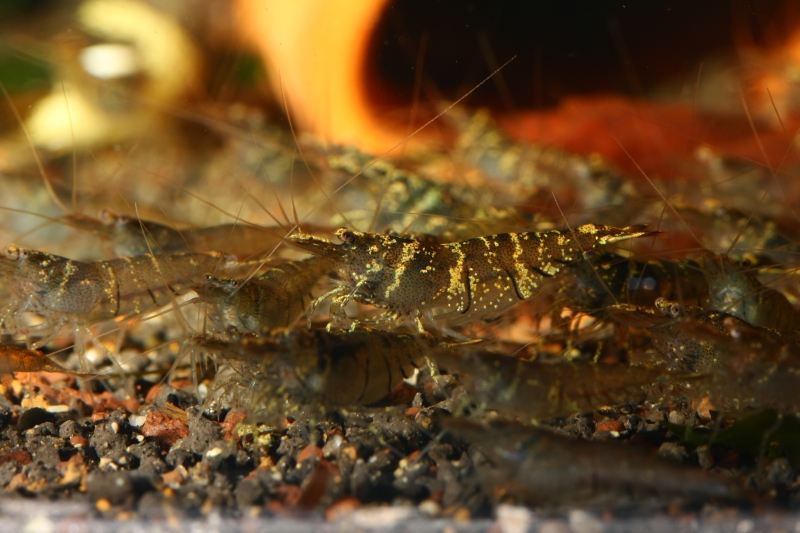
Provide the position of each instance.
(213, 452)
(430, 508)
(513, 519)
(583, 522)
(673, 450)
(705, 458)
(676, 417)
(333, 444)
(102, 505)
(136, 421)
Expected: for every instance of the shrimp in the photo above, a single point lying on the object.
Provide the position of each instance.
(134, 236)
(737, 291)
(761, 368)
(14, 359)
(528, 168)
(666, 323)
(607, 278)
(749, 366)
(273, 300)
(737, 231)
(318, 367)
(533, 390)
(405, 196)
(131, 236)
(65, 291)
(471, 279)
(674, 329)
(546, 468)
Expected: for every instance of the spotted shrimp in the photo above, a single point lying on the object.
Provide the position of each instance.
(76, 294)
(466, 280)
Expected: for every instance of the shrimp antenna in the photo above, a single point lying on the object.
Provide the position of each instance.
(413, 133)
(305, 161)
(74, 153)
(599, 278)
(45, 177)
(766, 160)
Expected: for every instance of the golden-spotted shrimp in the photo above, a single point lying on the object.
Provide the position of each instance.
(477, 278)
(275, 299)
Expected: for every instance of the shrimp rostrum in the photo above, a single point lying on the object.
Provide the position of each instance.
(461, 281)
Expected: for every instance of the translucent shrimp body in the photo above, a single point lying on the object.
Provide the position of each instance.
(82, 293)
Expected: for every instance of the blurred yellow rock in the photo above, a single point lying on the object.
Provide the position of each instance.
(148, 61)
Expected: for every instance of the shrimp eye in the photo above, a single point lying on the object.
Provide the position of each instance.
(107, 217)
(675, 310)
(208, 278)
(347, 236)
(23, 254)
(122, 220)
(235, 283)
(747, 261)
(662, 305)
